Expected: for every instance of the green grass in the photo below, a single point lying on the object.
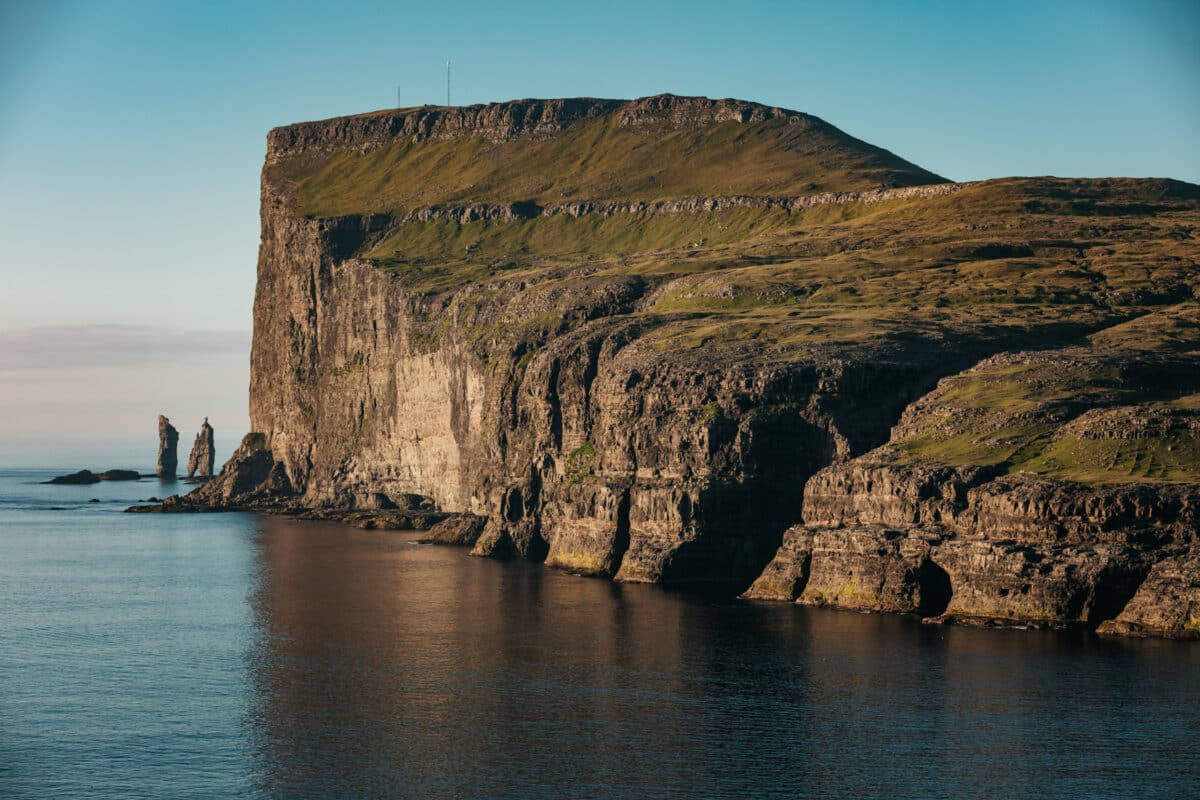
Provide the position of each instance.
(1168, 459)
(580, 463)
(596, 160)
(464, 253)
(254, 442)
(1030, 417)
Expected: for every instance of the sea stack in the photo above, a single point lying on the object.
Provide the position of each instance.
(168, 442)
(200, 462)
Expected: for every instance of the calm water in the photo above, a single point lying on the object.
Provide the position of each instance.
(214, 656)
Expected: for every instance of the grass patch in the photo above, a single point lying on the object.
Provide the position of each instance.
(1170, 459)
(596, 160)
(254, 442)
(580, 463)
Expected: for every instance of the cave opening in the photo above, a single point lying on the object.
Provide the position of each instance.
(1114, 589)
(935, 590)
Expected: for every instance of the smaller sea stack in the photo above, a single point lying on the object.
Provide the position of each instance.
(168, 443)
(200, 462)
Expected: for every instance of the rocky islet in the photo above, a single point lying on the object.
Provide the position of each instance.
(86, 476)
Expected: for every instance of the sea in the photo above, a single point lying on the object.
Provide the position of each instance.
(234, 655)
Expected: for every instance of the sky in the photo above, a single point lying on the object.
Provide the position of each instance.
(132, 136)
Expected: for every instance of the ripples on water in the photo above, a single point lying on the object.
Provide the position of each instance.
(237, 656)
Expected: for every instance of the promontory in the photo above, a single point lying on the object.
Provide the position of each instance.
(711, 342)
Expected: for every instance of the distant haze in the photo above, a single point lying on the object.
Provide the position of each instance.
(91, 394)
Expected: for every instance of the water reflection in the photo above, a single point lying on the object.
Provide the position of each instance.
(384, 668)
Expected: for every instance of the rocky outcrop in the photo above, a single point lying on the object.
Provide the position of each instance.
(500, 122)
(967, 546)
(461, 530)
(203, 454)
(252, 478)
(168, 443)
(1167, 603)
(786, 576)
(519, 212)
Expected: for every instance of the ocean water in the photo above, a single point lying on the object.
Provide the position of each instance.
(230, 655)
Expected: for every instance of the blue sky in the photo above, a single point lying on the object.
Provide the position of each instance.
(131, 137)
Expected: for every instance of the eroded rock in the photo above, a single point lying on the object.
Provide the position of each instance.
(200, 461)
(1167, 603)
(168, 442)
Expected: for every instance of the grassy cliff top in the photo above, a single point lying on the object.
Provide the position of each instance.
(555, 151)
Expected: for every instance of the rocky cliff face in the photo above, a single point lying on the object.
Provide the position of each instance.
(647, 392)
(1086, 511)
(586, 446)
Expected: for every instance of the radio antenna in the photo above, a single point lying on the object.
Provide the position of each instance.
(447, 82)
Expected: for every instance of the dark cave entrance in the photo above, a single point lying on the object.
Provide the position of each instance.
(935, 589)
(1114, 589)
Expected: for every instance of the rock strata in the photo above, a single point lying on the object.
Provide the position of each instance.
(518, 212)
(168, 442)
(203, 454)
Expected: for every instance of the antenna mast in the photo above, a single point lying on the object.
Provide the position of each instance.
(447, 82)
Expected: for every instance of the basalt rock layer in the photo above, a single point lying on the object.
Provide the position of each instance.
(689, 341)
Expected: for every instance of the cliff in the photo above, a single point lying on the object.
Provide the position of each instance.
(683, 341)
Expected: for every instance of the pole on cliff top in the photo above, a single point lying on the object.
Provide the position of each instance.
(447, 82)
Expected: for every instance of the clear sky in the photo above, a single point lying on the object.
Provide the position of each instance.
(132, 134)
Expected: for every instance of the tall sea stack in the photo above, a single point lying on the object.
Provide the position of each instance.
(200, 462)
(168, 442)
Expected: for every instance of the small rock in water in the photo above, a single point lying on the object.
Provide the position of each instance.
(82, 477)
(119, 475)
(94, 500)
(87, 476)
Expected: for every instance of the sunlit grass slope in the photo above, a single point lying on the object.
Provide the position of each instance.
(598, 159)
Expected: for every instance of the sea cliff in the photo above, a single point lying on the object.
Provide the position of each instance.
(687, 341)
